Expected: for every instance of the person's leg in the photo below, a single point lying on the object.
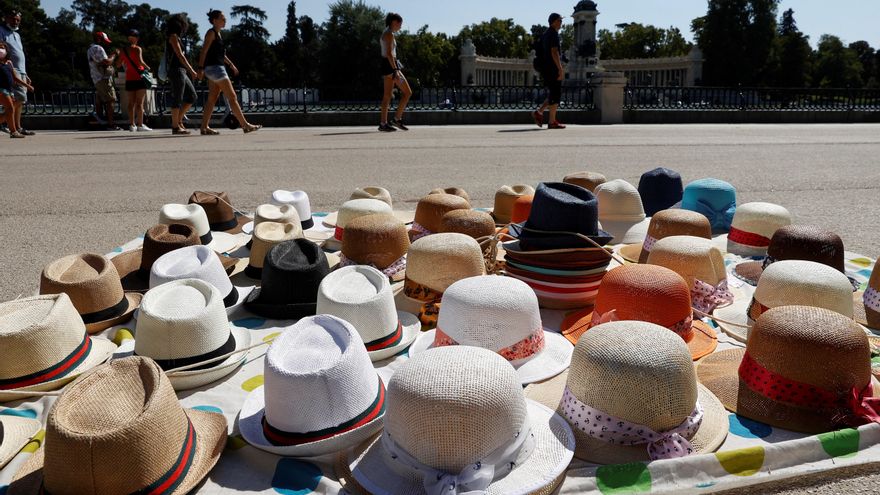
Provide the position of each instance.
(406, 91)
(232, 101)
(553, 109)
(141, 96)
(109, 111)
(9, 112)
(17, 107)
(213, 94)
(187, 99)
(132, 104)
(386, 98)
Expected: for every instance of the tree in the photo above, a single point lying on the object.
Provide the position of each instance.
(868, 58)
(639, 41)
(427, 57)
(837, 66)
(288, 49)
(792, 54)
(311, 38)
(349, 53)
(100, 14)
(498, 38)
(249, 47)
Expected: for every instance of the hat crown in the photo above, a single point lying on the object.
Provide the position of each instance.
(522, 207)
(805, 242)
(358, 208)
(217, 205)
(660, 188)
(276, 213)
(432, 207)
(491, 312)
(293, 272)
(647, 293)
(561, 207)
(805, 283)
(450, 407)
(116, 430)
(635, 371)
(588, 180)
(694, 258)
(199, 262)
(667, 223)
(191, 214)
(297, 199)
(373, 192)
(162, 238)
(323, 358)
(378, 240)
(437, 261)
(360, 295)
(715, 192)
(619, 200)
(90, 280)
(472, 223)
(455, 191)
(37, 333)
(268, 234)
(763, 219)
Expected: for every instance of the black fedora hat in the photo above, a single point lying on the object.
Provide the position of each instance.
(292, 272)
(660, 189)
(561, 207)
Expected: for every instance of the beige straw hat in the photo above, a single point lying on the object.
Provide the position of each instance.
(430, 211)
(276, 213)
(267, 235)
(753, 226)
(457, 417)
(505, 197)
(121, 429)
(621, 210)
(194, 215)
(477, 224)
(455, 191)
(95, 288)
(351, 210)
(370, 192)
(15, 433)
(380, 241)
(44, 345)
(618, 382)
(667, 223)
(587, 180)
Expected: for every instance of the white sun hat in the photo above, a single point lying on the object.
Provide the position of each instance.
(457, 417)
(361, 295)
(300, 201)
(15, 433)
(500, 314)
(753, 226)
(349, 211)
(198, 262)
(321, 394)
(182, 323)
(266, 236)
(194, 215)
(621, 210)
(272, 213)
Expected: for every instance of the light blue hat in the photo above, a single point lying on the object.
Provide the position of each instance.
(714, 199)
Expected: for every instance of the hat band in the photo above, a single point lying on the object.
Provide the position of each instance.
(684, 328)
(706, 297)
(231, 298)
(524, 349)
(598, 425)
(223, 226)
(872, 299)
(338, 233)
(281, 438)
(391, 270)
(430, 299)
(747, 238)
(170, 364)
(175, 476)
(105, 314)
(419, 231)
(55, 372)
(719, 218)
(649, 243)
(206, 239)
(386, 342)
(755, 311)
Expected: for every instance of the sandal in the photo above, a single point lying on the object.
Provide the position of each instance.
(252, 128)
(179, 131)
(209, 132)
(16, 135)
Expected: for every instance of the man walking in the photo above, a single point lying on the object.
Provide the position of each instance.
(552, 72)
(9, 34)
(101, 68)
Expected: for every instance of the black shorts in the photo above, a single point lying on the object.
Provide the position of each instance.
(386, 68)
(553, 85)
(135, 85)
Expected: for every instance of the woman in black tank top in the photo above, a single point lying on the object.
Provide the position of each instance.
(212, 64)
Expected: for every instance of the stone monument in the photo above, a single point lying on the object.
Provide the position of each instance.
(584, 53)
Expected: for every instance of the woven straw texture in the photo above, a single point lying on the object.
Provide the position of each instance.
(588, 180)
(356, 208)
(437, 261)
(762, 219)
(505, 198)
(668, 223)
(197, 262)
(360, 295)
(619, 201)
(691, 257)
(377, 240)
(472, 223)
(797, 242)
(432, 207)
(805, 283)
(645, 293)
(160, 239)
(379, 193)
(191, 214)
(217, 205)
(14, 434)
(277, 214)
(269, 234)
(455, 191)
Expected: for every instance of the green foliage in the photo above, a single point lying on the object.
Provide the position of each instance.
(639, 41)
(791, 54)
(423, 53)
(498, 38)
(349, 52)
(248, 47)
(836, 66)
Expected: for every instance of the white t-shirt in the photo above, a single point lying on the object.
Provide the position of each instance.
(97, 55)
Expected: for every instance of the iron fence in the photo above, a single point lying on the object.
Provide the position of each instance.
(756, 99)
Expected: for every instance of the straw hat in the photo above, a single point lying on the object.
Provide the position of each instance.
(477, 224)
(361, 295)
(196, 262)
(380, 241)
(321, 394)
(300, 201)
(701, 264)
(15, 433)
(455, 191)
(184, 322)
(753, 226)
(620, 209)
(195, 216)
(290, 280)
(560, 207)
(645, 293)
(660, 189)
(379, 193)
(714, 199)
(522, 207)
(588, 180)
(866, 305)
(499, 314)
(618, 380)
(430, 211)
(800, 369)
(95, 288)
(457, 416)
(221, 214)
(505, 197)
(351, 210)
(121, 429)
(789, 283)
(44, 345)
(277, 214)
(267, 235)
(667, 223)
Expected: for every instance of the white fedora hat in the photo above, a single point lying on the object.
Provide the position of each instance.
(753, 226)
(44, 345)
(500, 314)
(272, 213)
(351, 209)
(198, 262)
(457, 417)
(15, 433)
(194, 215)
(321, 394)
(300, 201)
(620, 210)
(361, 295)
(184, 322)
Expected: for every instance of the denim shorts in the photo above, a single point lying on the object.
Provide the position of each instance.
(216, 73)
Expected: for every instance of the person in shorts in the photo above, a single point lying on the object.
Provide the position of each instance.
(101, 70)
(392, 75)
(15, 50)
(552, 73)
(8, 81)
(180, 73)
(135, 85)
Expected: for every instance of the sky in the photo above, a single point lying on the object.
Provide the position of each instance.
(852, 20)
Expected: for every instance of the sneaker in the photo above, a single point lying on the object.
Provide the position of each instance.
(16, 135)
(386, 127)
(143, 128)
(132, 128)
(556, 125)
(399, 124)
(539, 118)
(25, 132)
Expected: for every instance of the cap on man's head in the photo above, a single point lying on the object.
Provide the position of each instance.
(102, 37)
(134, 32)
(553, 18)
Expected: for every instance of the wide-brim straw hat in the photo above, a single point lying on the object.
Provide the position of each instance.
(588, 180)
(222, 215)
(667, 223)
(351, 210)
(753, 227)
(797, 242)
(372, 192)
(190, 379)
(15, 433)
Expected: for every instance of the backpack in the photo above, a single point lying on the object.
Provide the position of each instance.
(540, 62)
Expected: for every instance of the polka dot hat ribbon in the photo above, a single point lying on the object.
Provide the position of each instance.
(389, 271)
(649, 243)
(747, 238)
(872, 299)
(419, 231)
(669, 444)
(857, 408)
(706, 297)
(684, 328)
(524, 349)
(430, 299)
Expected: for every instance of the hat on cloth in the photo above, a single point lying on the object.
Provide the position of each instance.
(560, 207)
(380, 241)
(866, 305)
(379, 193)
(457, 417)
(753, 226)
(289, 290)
(455, 191)
(588, 180)
(522, 207)
(789, 283)
(221, 214)
(44, 345)
(714, 199)
(184, 322)
(121, 429)
(195, 216)
(300, 201)
(803, 369)
(350, 210)
(15, 433)
(620, 209)
(361, 295)
(477, 224)
(95, 288)
(266, 235)
(660, 189)
(631, 395)
(196, 262)
(321, 358)
(701, 264)
(645, 293)
(500, 314)
(430, 211)
(667, 223)
(505, 197)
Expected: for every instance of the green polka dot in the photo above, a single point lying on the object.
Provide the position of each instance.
(35, 442)
(252, 383)
(271, 337)
(122, 335)
(863, 262)
(742, 462)
(624, 478)
(843, 443)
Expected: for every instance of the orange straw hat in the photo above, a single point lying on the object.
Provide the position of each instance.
(521, 209)
(667, 223)
(645, 293)
(430, 211)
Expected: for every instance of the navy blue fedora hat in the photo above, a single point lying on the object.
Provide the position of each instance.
(561, 207)
(292, 273)
(660, 189)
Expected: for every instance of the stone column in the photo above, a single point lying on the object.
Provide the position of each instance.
(468, 59)
(608, 96)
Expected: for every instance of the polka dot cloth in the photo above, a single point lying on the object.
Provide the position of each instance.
(872, 299)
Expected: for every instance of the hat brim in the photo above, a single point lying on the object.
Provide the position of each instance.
(101, 351)
(224, 242)
(736, 314)
(186, 380)
(749, 272)
(240, 222)
(554, 446)
(631, 252)
(412, 327)
(538, 242)
(625, 231)
(17, 432)
(211, 434)
(405, 216)
(128, 265)
(278, 311)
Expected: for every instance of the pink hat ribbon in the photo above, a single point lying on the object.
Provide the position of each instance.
(524, 349)
(705, 297)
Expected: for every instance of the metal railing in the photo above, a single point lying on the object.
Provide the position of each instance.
(754, 99)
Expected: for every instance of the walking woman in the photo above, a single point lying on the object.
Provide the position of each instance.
(183, 93)
(392, 75)
(9, 79)
(135, 85)
(212, 65)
